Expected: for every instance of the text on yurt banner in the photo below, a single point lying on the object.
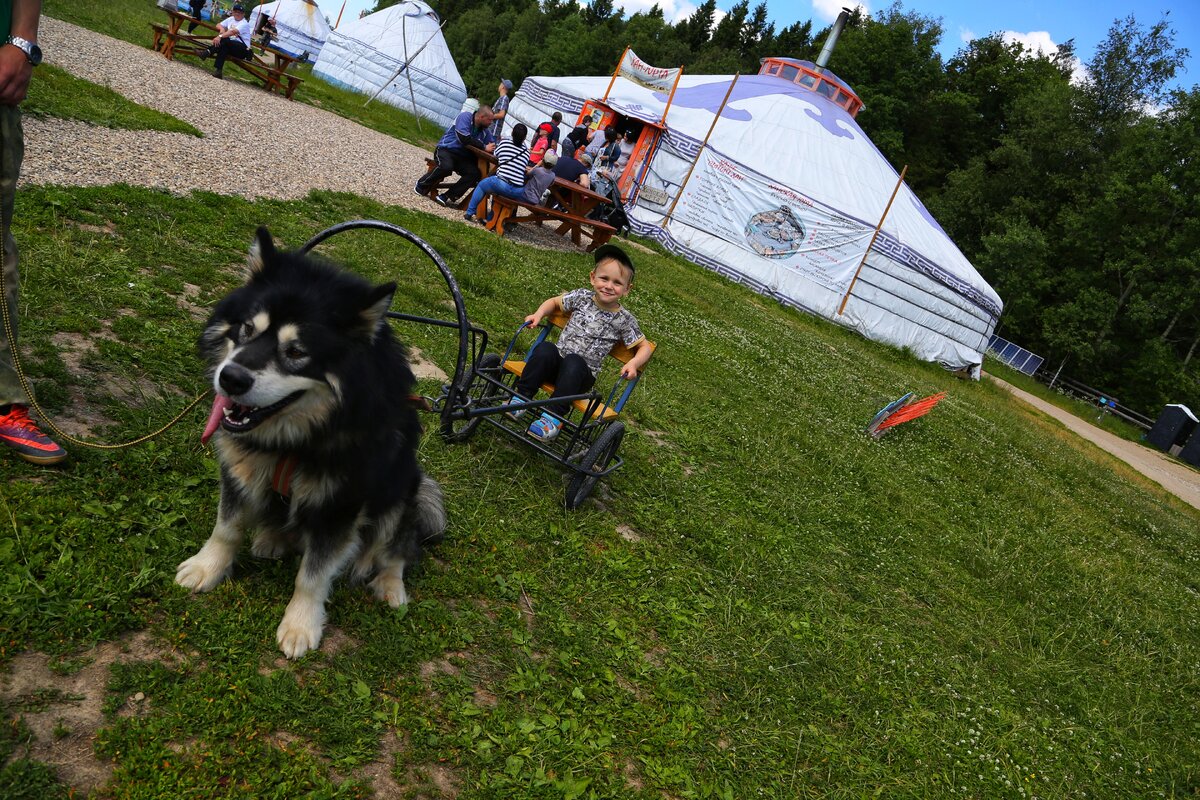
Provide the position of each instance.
(643, 74)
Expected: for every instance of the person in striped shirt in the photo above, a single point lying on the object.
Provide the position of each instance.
(512, 157)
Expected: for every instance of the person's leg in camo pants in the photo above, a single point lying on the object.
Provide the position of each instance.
(12, 150)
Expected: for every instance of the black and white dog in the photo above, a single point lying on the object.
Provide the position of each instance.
(316, 435)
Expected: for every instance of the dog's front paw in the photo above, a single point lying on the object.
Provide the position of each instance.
(389, 587)
(205, 570)
(300, 631)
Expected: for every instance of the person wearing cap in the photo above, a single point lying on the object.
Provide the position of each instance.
(500, 108)
(539, 177)
(232, 39)
(597, 322)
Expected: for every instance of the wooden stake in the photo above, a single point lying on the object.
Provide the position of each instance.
(663, 120)
(700, 152)
(854, 280)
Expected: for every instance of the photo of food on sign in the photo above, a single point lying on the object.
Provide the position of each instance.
(777, 233)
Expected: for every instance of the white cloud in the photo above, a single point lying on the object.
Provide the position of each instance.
(673, 10)
(1040, 42)
(966, 35)
(827, 10)
(1036, 41)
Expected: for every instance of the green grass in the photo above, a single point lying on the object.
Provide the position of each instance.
(56, 93)
(762, 602)
(1074, 405)
(129, 20)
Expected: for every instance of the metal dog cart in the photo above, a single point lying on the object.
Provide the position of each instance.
(481, 386)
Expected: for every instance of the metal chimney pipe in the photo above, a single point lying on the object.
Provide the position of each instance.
(827, 50)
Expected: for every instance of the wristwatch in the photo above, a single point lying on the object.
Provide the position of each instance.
(32, 52)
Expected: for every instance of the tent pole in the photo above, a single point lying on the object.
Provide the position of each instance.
(616, 72)
(403, 66)
(674, 86)
(699, 152)
(339, 19)
(878, 227)
(408, 73)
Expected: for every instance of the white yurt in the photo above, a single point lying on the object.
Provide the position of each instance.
(301, 25)
(400, 54)
(782, 193)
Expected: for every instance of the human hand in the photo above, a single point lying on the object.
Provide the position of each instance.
(628, 371)
(490, 146)
(533, 320)
(15, 72)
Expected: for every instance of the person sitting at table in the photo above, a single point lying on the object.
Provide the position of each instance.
(232, 39)
(452, 156)
(509, 180)
(197, 7)
(574, 169)
(539, 178)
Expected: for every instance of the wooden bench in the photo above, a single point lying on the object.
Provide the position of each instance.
(620, 352)
(274, 78)
(504, 212)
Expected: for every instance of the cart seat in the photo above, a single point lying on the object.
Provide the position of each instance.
(620, 352)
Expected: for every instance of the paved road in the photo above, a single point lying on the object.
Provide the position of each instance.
(1177, 478)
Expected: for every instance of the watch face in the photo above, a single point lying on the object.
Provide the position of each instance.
(34, 54)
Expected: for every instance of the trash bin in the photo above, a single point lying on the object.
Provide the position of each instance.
(1172, 428)
(1191, 451)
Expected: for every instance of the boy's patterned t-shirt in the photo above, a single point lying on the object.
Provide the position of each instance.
(592, 331)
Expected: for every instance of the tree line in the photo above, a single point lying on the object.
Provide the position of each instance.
(1075, 194)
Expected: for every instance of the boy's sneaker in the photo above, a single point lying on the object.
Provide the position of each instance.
(21, 433)
(515, 413)
(470, 218)
(417, 189)
(545, 428)
(442, 200)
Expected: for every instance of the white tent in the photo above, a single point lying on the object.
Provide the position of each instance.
(400, 50)
(302, 28)
(784, 199)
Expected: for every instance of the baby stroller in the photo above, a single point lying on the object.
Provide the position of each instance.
(613, 214)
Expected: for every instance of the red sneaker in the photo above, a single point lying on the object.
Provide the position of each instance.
(21, 433)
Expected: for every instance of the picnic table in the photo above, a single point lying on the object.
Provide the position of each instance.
(575, 203)
(269, 65)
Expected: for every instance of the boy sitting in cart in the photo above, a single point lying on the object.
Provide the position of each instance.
(597, 322)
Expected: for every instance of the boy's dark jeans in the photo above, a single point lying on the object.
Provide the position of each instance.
(569, 374)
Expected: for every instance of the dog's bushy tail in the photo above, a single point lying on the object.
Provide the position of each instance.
(429, 515)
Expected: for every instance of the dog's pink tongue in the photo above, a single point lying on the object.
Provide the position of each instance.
(220, 403)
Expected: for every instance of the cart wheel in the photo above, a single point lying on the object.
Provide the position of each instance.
(459, 430)
(597, 458)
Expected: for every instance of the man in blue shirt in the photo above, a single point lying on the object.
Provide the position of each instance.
(453, 156)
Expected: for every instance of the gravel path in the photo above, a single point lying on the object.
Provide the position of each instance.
(1177, 478)
(280, 149)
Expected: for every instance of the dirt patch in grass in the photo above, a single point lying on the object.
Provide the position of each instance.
(424, 368)
(64, 729)
(628, 534)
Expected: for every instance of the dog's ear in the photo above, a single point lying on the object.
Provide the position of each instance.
(262, 253)
(379, 300)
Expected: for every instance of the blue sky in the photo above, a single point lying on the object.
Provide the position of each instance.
(1044, 23)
